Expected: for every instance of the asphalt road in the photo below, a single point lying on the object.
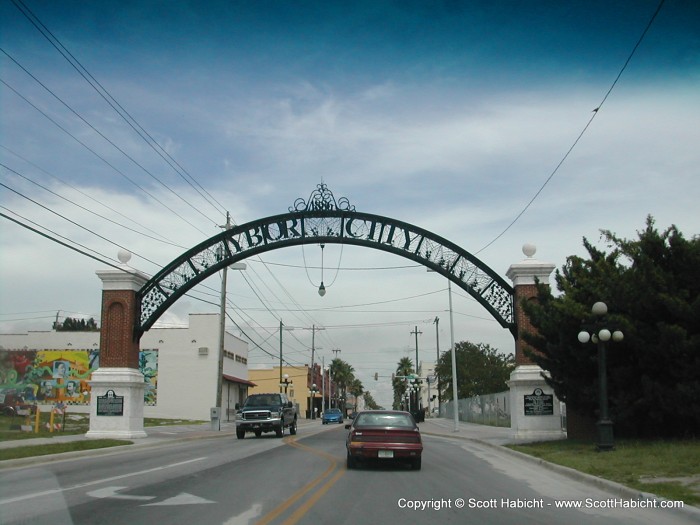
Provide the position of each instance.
(303, 479)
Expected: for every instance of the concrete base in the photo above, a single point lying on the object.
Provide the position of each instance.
(523, 382)
(123, 382)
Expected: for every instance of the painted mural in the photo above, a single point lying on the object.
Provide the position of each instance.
(63, 376)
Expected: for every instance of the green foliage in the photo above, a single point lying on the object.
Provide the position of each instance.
(480, 370)
(343, 375)
(70, 324)
(651, 286)
(658, 467)
(356, 388)
(58, 448)
(370, 403)
(403, 368)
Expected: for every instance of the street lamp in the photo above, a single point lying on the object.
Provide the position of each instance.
(313, 391)
(322, 289)
(601, 335)
(455, 398)
(285, 382)
(416, 389)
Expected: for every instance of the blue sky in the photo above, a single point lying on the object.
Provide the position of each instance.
(448, 115)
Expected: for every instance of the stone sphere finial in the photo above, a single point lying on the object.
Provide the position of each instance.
(529, 249)
(124, 256)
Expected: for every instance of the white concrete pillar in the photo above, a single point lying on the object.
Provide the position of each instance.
(534, 409)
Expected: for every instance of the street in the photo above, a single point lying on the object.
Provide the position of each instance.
(303, 479)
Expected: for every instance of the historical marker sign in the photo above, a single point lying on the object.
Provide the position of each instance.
(110, 404)
(539, 404)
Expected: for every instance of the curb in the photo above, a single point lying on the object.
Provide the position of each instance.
(617, 489)
(119, 449)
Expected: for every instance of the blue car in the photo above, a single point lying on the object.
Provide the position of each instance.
(332, 415)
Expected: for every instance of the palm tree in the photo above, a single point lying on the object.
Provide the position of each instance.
(342, 375)
(404, 368)
(356, 389)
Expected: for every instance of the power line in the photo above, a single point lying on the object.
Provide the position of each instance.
(78, 190)
(60, 242)
(86, 209)
(114, 145)
(100, 89)
(580, 135)
(76, 224)
(365, 268)
(99, 156)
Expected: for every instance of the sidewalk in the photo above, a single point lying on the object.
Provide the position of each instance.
(472, 431)
(155, 435)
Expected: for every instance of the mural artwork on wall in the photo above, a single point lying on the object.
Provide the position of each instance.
(63, 376)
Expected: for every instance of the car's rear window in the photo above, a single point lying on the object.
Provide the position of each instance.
(384, 420)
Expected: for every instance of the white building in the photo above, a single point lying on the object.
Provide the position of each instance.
(180, 366)
(426, 372)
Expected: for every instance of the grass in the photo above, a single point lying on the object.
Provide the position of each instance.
(72, 425)
(58, 448)
(670, 469)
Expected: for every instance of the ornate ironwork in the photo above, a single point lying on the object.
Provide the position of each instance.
(323, 220)
(321, 199)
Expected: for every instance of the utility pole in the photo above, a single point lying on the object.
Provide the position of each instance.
(281, 325)
(313, 352)
(416, 332)
(222, 326)
(455, 399)
(417, 393)
(323, 383)
(437, 342)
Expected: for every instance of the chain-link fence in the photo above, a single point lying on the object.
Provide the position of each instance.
(489, 409)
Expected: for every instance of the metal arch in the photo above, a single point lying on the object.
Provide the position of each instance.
(327, 225)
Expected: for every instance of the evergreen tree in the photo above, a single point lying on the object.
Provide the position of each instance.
(651, 286)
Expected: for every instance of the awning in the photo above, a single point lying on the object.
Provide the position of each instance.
(239, 380)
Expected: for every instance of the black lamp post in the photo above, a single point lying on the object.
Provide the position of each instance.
(286, 382)
(601, 335)
(313, 391)
(416, 387)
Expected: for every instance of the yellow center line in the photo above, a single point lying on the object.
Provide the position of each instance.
(303, 509)
(275, 513)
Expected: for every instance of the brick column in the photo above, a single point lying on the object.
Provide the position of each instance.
(523, 275)
(118, 347)
(527, 378)
(118, 376)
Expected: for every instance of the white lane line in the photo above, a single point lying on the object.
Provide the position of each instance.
(181, 499)
(245, 517)
(96, 482)
(111, 492)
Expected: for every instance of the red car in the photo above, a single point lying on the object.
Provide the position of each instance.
(384, 435)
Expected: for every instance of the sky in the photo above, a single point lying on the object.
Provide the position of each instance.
(449, 115)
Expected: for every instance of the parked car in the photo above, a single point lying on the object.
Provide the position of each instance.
(332, 415)
(384, 435)
(12, 403)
